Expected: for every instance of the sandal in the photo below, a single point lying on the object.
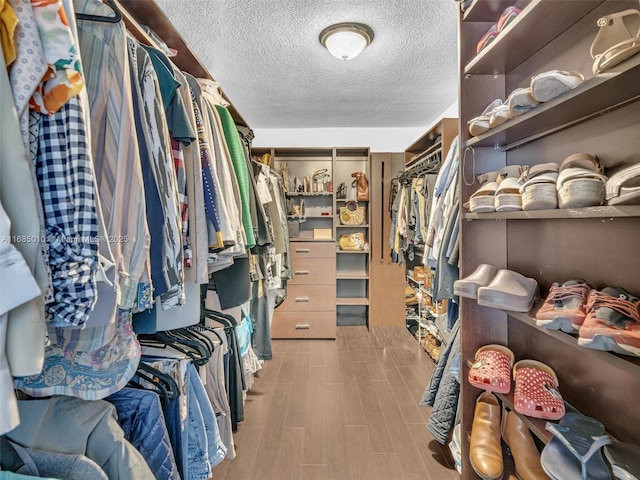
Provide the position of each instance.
(482, 201)
(536, 391)
(615, 42)
(623, 188)
(508, 198)
(549, 85)
(491, 370)
(581, 182)
(520, 101)
(538, 187)
(481, 123)
(574, 452)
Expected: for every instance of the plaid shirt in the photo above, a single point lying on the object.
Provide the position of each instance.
(65, 176)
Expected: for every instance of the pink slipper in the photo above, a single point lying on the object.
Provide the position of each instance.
(491, 370)
(536, 392)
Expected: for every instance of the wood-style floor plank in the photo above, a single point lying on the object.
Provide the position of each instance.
(400, 435)
(266, 461)
(380, 439)
(340, 410)
(290, 460)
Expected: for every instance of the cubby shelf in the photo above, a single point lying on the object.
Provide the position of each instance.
(619, 211)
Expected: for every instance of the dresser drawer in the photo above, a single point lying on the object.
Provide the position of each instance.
(313, 249)
(303, 324)
(309, 298)
(313, 271)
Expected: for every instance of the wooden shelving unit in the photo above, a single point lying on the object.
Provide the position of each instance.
(598, 117)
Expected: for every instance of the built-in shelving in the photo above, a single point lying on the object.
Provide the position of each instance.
(353, 226)
(618, 211)
(352, 276)
(614, 89)
(352, 251)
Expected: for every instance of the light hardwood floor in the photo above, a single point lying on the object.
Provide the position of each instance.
(340, 410)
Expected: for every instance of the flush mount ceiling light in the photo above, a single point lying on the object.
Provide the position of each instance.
(346, 40)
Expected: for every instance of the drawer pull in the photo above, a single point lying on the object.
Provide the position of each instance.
(303, 326)
(302, 299)
(302, 250)
(302, 272)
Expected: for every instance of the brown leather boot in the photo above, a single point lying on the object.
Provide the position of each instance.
(525, 454)
(362, 186)
(485, 452)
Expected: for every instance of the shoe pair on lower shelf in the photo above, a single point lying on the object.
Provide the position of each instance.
(498, 288)
(607, 319)
(485, 450)
(579, 450)
(536, 391)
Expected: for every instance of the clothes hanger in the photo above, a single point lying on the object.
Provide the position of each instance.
(117, 14)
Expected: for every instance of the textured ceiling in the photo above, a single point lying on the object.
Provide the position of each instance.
(267, 57)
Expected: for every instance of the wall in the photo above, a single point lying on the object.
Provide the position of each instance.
(377, 139)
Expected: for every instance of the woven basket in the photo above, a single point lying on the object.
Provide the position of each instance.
(352, 214)
(581, 192)
(540, 196)
(508, 202)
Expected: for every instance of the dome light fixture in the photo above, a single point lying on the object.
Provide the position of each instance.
(346, 40)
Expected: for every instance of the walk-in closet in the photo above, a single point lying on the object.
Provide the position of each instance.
(298, 240)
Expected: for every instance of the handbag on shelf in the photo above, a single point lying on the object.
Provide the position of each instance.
(352, 214)
(362, 186)
(341, 193)
(353, 241)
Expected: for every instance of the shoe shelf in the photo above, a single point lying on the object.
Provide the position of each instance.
(619, 211)
(626, 363)
(544, 19)
(413, 280)
(601, 94)
(535, 425)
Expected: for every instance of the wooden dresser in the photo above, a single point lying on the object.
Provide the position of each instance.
(309, 310)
